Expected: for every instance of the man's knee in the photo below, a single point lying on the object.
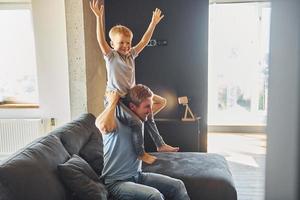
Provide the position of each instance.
(179, 186)
(180, 190)
(155, 195)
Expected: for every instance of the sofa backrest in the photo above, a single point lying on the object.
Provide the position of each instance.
(31, 173)
(82, 137)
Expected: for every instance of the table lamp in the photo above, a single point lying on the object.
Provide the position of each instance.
(188, 114)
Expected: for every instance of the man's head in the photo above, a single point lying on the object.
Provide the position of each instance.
(121, 38)
(139, 99)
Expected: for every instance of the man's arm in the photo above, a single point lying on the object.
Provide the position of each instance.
(99, 13)
(156, 17)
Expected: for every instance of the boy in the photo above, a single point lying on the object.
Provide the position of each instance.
(120, 68)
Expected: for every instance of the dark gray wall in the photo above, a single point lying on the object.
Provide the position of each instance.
(180, 68)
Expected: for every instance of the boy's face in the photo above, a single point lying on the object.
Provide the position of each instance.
(121, 43)
(143, 110)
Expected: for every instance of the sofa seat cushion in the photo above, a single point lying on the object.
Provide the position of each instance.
(81, 179)
(206, 176)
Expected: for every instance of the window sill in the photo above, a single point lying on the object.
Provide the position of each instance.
(18, 105)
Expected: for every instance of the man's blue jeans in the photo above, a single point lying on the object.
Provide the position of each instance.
(148, 186)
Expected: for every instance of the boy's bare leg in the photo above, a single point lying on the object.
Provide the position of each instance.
(147, 158)
(158, 103)
(138, 144)
(151, 128)
(106, 121)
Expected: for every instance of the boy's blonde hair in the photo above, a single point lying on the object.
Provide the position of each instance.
(120, 29)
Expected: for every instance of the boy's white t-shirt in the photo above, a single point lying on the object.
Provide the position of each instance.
(120, 71)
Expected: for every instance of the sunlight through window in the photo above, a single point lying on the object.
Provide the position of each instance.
(18, 79)
(238, 63)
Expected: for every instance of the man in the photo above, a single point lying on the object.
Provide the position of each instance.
(122, 171)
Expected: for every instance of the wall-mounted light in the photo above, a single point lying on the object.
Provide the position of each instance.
(156, 43)
(188, 114)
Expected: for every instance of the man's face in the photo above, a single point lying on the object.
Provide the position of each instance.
(143, 110)
(121, 43)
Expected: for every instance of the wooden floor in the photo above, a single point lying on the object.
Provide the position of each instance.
(245, 154)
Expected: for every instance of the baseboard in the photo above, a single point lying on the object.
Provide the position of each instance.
(237, 128)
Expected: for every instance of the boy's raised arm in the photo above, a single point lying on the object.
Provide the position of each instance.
(99, 13)
(156, 17)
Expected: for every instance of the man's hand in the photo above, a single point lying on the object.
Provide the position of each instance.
(156, 16)
(95, 8)
(167, 148)
(112, 97)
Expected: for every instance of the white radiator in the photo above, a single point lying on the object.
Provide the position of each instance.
(16, 133)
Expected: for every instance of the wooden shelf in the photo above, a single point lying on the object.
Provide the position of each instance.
(18, 105)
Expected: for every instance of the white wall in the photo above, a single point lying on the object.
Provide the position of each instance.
(282, 162)
(52, 59)
(52, 62)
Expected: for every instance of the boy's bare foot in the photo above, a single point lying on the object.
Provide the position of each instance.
(147, 158)
(167, 148)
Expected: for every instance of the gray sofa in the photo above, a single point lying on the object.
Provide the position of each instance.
(32, 173)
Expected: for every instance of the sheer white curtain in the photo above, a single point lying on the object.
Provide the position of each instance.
(18, 79)
(238, 63)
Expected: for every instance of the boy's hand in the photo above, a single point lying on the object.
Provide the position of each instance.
(156, 16)
(95, 8)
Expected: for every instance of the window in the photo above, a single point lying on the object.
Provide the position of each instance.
(238, 63)
(18, 71)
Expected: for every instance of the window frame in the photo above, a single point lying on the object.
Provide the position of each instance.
(16, 5)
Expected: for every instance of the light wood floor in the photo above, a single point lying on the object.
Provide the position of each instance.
(245, 154)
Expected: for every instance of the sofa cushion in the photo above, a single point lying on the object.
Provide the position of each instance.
(31, 174)
(205, 175)
(75, 134)
(80, 178)
(92, 152)
(82, 137)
